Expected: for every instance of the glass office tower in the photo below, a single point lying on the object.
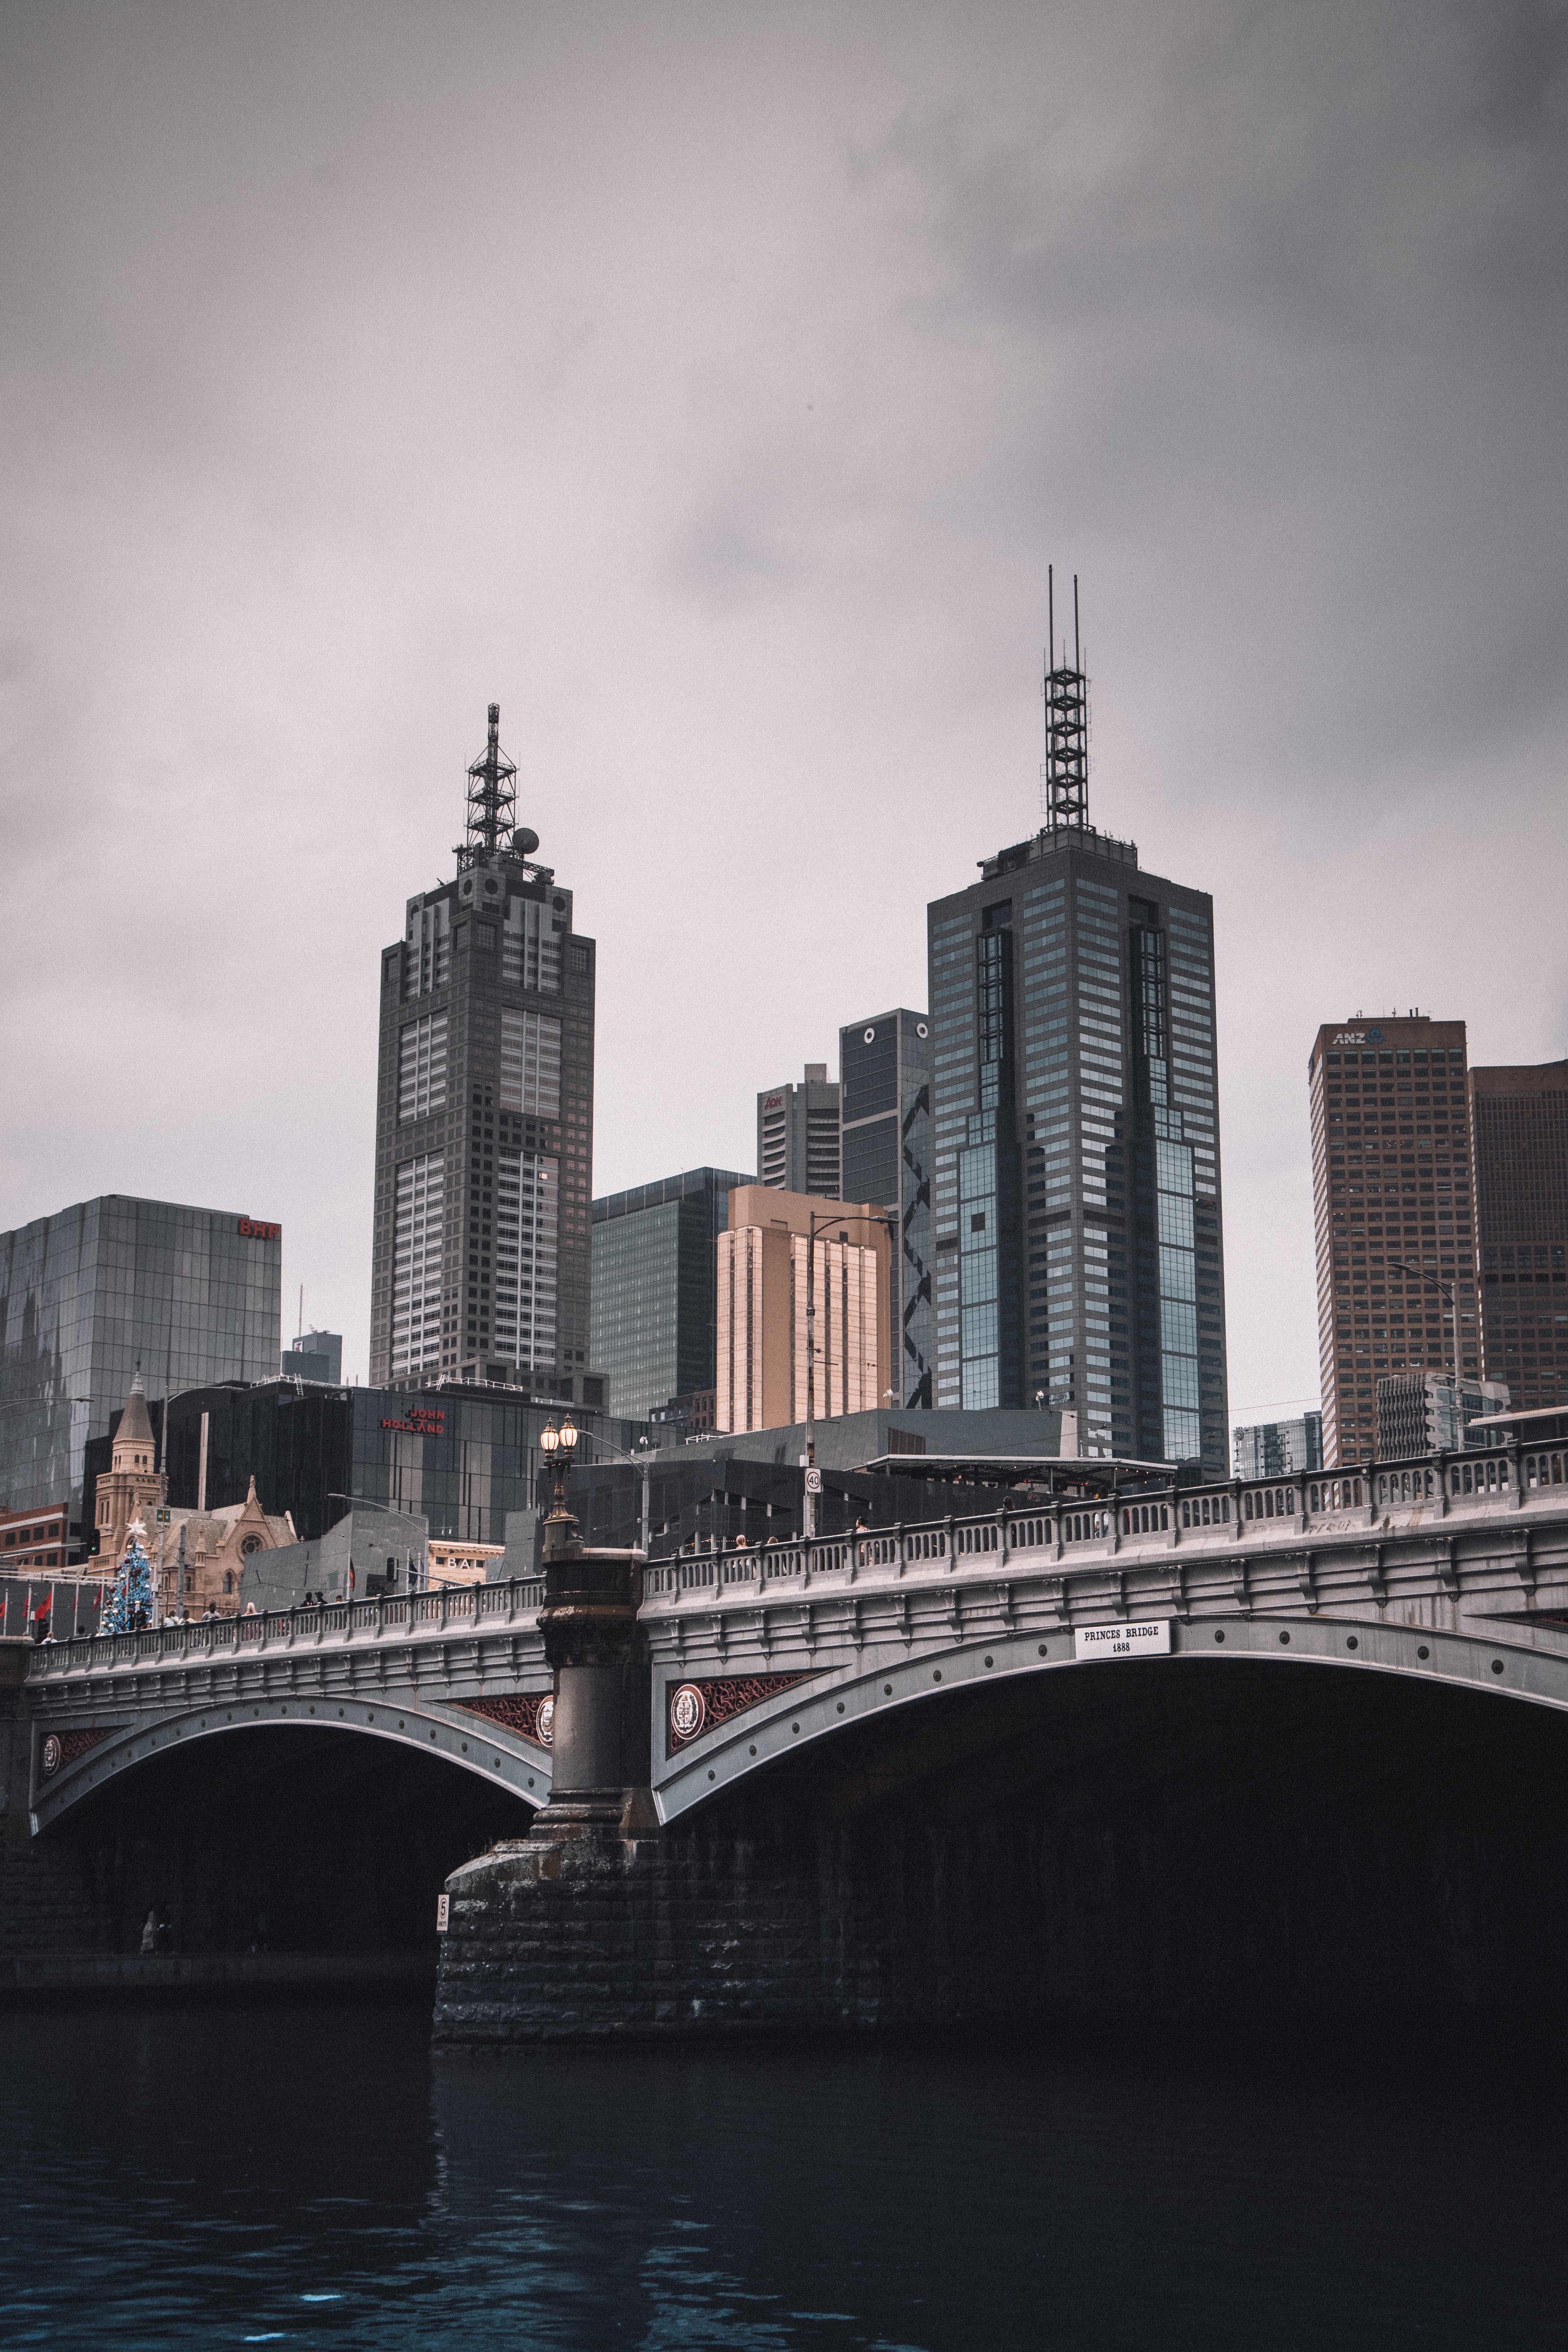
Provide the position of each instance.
(1078, 1233)
(885, 1076)
(1518, 1140)
(484, 1135)
(654, 1254)
(190, 1296)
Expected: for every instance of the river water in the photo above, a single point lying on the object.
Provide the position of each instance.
(313, 2177)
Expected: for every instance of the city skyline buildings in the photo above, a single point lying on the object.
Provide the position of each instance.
(799, 1143)
(769, 1294)
(1078, 1201)
(484, 1129)
(322, 655)
(654, 1258)
(1518, 1147)
(113, 1290)
(1388, 1110)
(885, 1134)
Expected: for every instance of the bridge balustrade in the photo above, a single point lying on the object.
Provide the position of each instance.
(970, 1538)
(1544, 1469)
(1407, 1485)
(1269, 1503)
(342, 1621)
(1335, 1495)
(1489, 1474)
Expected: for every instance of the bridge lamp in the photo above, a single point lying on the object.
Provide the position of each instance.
(557, 1446)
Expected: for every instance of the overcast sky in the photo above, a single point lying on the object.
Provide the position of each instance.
(711, 385)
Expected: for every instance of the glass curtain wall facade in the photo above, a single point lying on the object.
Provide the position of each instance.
(1518, 1140)
(1079, 1234)
(885, 1077)
(480, 1262)
(461, 1459)
(654, 1249)
(191, 1295)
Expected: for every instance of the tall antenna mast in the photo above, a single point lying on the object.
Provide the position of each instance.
(1065, 797)
(492, 800)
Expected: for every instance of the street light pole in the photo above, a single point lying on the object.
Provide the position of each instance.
(1451, 1295)
(643, 1459)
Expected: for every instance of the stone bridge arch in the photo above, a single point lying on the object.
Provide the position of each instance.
(796, 1707)
(496, 1740)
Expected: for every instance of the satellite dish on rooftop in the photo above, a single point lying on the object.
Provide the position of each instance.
(524, 841)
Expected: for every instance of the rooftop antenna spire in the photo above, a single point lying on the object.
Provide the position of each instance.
(492, 800)
(1064, 795)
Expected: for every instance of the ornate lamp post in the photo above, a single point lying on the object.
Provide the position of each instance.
(558, 1446)
(589, 1626)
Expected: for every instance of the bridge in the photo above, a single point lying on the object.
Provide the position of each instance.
(1460, 1582)
(1450, 1572)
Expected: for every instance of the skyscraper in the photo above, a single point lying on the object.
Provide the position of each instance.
(1518, 1140)
(885, 1080)
(654, 1253)
(1079, 1233)
(1390, 1195)
(96, 1292)
(797, 1135)
(484, 1134)
(762, 1308)
(1278, 1449)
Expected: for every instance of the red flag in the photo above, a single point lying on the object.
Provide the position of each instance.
(43, 1608)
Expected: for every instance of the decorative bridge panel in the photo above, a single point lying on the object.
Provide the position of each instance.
(700, 1706)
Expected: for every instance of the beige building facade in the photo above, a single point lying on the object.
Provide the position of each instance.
(760, 1308)
(196, 1556)
(199, 1555)
(460, 1563)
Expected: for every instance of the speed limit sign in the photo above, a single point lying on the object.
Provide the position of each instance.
(813, 1481)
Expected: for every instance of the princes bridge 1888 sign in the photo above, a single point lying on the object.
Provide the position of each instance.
(1135, 1637)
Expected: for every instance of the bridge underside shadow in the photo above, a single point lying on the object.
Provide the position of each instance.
(1197, 1841)
(303, 1840)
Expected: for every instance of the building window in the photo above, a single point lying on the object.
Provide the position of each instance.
(530, 1063)
(422, 1065)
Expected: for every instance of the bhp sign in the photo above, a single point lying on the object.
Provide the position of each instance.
(259, 1231)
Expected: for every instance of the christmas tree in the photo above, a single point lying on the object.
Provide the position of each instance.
(131, 1600)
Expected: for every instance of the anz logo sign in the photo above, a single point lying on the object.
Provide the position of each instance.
(1357, 1037)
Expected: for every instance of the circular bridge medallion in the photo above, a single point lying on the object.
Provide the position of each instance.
(688, 1711)
(50, 1760)
(545, 1727)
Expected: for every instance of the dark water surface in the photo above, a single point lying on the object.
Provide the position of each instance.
(314, 2178)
